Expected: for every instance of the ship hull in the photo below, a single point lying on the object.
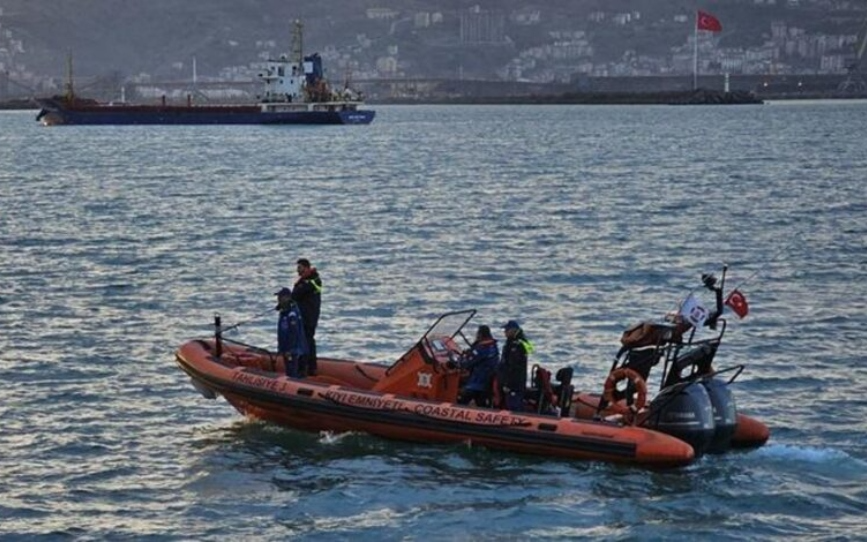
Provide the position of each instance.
(53, 114)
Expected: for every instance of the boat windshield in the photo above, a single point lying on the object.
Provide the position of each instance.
(449, 324)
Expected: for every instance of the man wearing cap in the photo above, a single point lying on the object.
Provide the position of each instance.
(307, 293)
(512, 371)
(291, 340)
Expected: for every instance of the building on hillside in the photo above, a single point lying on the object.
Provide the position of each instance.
(479, 26)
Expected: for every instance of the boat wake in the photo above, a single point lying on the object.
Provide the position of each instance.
(814, 456)
(330, 438)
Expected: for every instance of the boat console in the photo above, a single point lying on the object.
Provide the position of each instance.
(426, 371)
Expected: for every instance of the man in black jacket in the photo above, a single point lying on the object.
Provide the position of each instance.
(307, 293)
(512, 371)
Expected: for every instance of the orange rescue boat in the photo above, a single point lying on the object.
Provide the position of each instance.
(414, 399)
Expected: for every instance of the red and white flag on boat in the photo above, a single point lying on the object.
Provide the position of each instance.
(737, 302)
(692, 311)
(706, 21)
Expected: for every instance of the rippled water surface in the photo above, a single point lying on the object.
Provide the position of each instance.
(119, 243)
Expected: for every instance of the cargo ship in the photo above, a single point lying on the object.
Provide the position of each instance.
(294, 91)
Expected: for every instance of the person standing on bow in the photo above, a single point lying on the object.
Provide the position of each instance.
(512, 371)
(481, 362)
(307, 293)
(291, 339)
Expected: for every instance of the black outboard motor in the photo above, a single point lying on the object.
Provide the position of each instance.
(725, 414)
(684, 411)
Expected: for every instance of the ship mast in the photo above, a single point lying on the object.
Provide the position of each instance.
(70, 93)
(298, 43)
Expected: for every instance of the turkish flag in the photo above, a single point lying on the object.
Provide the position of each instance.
(738, 303)
(706, 21)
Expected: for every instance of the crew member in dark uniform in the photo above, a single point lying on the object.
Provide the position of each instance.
(307, 293)
(291, 338)
(512, 371)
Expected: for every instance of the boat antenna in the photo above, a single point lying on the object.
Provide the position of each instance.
(70, 93)
(247, 321)
(774, 257)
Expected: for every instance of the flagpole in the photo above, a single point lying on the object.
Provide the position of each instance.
(695, 53)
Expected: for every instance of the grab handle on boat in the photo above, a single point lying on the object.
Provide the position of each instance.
(218, 335)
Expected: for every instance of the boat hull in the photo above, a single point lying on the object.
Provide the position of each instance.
(340, 399)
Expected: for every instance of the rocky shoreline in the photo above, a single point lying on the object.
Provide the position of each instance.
(696, 97)
(17, 104)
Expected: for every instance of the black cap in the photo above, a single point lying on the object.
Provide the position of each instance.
(512, 324)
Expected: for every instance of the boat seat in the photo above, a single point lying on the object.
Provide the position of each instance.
(564, 388)
(641, 360)
(542, 396)
(496, 397)
(697, 361)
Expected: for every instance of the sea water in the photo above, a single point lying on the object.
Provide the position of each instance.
(119, 243)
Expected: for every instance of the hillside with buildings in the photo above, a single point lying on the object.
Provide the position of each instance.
(114, 42)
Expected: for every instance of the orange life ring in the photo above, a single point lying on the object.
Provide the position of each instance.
(626, 374)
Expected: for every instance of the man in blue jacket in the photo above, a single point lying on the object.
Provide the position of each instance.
(481, 362)
(291, 339)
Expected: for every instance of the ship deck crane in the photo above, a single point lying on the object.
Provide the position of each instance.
(854, 82)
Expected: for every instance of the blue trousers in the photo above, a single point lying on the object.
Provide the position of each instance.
(291, 363)
(515, 401)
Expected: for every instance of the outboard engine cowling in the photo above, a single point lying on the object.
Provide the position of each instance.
(725, 414)
(684, 411)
